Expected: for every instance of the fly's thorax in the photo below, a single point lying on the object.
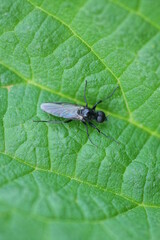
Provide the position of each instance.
(88, 113)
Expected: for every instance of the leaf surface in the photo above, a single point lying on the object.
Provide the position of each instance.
(53, 182)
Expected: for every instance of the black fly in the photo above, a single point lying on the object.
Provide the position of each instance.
(74, 112)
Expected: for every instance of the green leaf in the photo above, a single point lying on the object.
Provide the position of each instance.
(54, 184)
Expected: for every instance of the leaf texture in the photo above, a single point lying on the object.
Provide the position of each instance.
(53, 183)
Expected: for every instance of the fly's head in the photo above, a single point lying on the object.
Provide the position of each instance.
(101, 117)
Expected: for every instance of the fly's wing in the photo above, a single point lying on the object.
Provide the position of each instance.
(64, 110)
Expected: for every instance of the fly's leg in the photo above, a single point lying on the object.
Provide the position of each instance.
(53, 121)
(85, 99)
(94, 107)
(94, 126)
(100, 101)
(88, 133)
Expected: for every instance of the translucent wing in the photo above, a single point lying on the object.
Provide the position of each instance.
(64, 110)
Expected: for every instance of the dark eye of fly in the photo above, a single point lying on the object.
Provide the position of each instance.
(99, 119)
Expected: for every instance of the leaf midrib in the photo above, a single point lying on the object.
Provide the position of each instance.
(41, 87)
(78, 181)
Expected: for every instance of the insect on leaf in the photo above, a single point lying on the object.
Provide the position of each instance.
(54, 184)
